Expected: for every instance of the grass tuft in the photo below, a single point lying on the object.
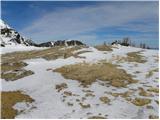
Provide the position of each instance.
(61, 86)
(152, 89)
(135, 57)
(67, 93)
(104, 47)
(141, 101)
(84, 105)
(104, 99)
(124, 95)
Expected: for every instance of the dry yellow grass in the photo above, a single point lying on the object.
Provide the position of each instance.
(81, 52)
(15, 68)
(12, 66)
(49, 54)
(67, 93)
(150, 73)
(141, 101)
(63, 53)
(104, 99)
(83, 105)
(131, 57)
(89, 73)
(124, 95)
(153, 89)
(8, 100)
(88, 91)
(135, 57)
(104, 47)
(11, 76)
(89, 95)
(142, 92)
(13, 71)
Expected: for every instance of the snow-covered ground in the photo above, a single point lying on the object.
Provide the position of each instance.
(15, 48)
(51, 104)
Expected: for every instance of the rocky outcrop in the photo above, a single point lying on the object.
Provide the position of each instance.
(61, 43)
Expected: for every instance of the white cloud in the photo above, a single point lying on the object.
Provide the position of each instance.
(69, 22)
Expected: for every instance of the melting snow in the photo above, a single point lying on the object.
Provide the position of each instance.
(49, 103)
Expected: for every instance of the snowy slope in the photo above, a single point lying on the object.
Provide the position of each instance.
(16, 48)
(49, 103)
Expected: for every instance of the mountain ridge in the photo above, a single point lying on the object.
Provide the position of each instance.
(10, 36)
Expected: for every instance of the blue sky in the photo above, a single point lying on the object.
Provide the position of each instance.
(91, 22)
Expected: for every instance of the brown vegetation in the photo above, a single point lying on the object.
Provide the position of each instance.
(104, 99)
(89, 73)
(61, 86)
(49, 54)
(14, 71)
(5, 67)
(124, 95)
(104, 47)
(150, 73)
(135, 57)
(89, 95)
(141, 101)
(11, 76)
(152, 89)
(84, 105)
(144, 93)
(67, 93)
(8, 100)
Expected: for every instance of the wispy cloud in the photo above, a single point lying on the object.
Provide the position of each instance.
(69, 22)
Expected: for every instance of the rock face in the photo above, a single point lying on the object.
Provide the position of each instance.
(61, 43)
(10, 36)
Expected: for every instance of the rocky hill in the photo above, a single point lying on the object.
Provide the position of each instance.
(10, 36)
